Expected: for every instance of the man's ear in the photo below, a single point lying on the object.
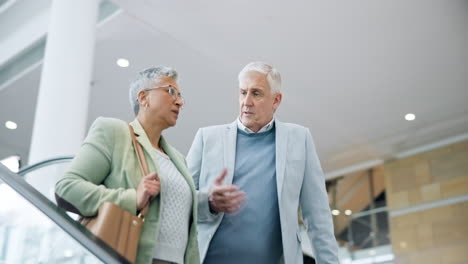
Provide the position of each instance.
(277, 102)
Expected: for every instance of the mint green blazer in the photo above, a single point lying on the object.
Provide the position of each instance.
(106, 169)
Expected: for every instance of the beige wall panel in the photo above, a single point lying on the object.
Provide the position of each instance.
(404, 240)
(452, 231)
(438, 214)
(414, 197)
(422, 173)
(460, 210)
(398, 200)
(437, 152)
(427, 257)
(404, 178)
(407, 220)
(425, 236)
(430, 192)
(403, 259)
(450, 165)
(460, 146)
(454, 187)
(436, 235)
(455, 254)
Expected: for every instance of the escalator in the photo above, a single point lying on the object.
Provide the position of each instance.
(34, 230)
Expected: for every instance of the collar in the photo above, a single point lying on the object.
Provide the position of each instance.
(265, 128)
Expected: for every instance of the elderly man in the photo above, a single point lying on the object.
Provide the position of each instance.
(248, 214)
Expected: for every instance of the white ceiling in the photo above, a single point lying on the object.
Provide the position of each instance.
(350, 71)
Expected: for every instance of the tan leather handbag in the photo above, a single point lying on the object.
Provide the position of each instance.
(117, 227)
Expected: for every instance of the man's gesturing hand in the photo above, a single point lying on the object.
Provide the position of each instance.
(225, 198)
(148, 188)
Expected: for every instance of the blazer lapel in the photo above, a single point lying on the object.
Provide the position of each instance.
(229, 140)
(281, 138)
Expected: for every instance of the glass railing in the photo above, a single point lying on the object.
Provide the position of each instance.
(46, 163)
(43, 175)
(34, 230)
(367, 238)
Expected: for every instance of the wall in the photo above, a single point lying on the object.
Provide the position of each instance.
(427, 196)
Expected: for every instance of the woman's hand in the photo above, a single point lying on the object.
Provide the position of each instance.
(148, 188)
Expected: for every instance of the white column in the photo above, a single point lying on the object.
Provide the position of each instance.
(62, 106)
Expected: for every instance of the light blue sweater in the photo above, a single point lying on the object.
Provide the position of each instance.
(253, 234)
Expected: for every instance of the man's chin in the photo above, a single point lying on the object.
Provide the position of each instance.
(246, 121)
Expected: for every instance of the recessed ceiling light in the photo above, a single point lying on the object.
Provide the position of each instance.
(348, 212)
(335, 212)
(410, 117)
(124, 63)
(11, 125)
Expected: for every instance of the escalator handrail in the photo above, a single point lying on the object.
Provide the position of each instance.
(95, 246)
(44, 163)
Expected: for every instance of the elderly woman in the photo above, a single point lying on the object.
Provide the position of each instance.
(106, 169)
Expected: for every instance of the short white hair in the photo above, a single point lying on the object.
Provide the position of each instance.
(146, 78)
(272, 75)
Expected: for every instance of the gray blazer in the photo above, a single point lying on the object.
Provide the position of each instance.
(299, 178)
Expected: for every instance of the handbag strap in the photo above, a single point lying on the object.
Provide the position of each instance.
(143, 166)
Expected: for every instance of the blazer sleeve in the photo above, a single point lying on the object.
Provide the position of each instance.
(194, 163)
(82, 185)
(315, 207)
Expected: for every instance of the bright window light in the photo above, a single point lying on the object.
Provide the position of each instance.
(383, 258)
(68, 253)
(124, 63)
(12, 163)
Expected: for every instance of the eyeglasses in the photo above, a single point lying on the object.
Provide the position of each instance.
(172, 91)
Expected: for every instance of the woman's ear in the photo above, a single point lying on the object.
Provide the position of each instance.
(142, 97)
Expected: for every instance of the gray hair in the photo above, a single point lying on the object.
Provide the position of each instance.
(146, 78)
(273, 75)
